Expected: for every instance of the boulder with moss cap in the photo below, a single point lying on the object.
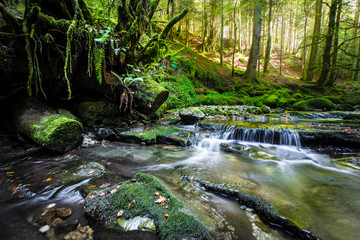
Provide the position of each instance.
(191, 115)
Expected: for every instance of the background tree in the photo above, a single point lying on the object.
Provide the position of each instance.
(255, 46)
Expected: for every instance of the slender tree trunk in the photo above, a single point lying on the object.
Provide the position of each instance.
(304, 47)
(290, 30)
(205, 20)
(282, 39)
(295, 28)
(315, 42)
(255, 46)
(355, 51)
(222, 33)
(240, 35)
(235, 28)
(357, 66)
(333, 70)
(187, 30)
(327, 50)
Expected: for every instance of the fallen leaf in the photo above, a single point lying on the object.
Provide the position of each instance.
(89, 194)
(157, 194)
(120, 213)
(147, 128)
(13, 189)
(129, 205)
(91, 171)
(166, 216)
(92, 186)
(92, 197)
(101, 194)
(28, 184)
(167, 207)
(113, 191)
(132, 201)
(160, 200)
(8, 173)
(48, 179)
(191, 184)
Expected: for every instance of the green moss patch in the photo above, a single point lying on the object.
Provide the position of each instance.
(158, 134)
(57, 133)
(315, 103)
(137, 198)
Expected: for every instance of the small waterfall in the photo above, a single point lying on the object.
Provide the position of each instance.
(280, 137)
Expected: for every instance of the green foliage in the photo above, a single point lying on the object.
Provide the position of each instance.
(99, 56)
(218, 99)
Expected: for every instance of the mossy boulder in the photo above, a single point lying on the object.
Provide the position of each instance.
(145, 196)
(263, 110)
(191, 115)
(100, 113)
(271, 100)
(57, 133)
(51, 130)
(314, 104)
(149, 96)
(157, 135)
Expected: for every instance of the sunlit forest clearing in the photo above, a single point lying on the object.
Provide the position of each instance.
(179, 119)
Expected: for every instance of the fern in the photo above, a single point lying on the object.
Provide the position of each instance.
(99, 55)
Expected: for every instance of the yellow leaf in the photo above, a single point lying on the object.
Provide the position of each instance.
(48, 179)
(8, 173)
(13, 189)
(92, 186)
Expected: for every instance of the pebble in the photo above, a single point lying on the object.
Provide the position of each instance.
(44, 229)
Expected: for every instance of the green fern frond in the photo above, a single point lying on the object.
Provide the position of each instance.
(99, 55)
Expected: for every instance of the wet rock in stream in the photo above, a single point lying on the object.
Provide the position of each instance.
(266, 212)
(145, 199)
(53, 224)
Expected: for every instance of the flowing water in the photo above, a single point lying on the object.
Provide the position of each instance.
(306, 187)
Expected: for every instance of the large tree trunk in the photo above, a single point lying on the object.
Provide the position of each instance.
(315, 42)
(327, 51)
(334, 69)
(255, 46)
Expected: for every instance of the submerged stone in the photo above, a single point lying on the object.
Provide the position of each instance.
(92, 169)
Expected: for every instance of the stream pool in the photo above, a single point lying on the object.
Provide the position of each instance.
(306, 187)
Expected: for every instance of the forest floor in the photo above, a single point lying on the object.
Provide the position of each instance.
(291, 66)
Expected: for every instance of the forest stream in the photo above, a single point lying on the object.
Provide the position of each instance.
(307, 187)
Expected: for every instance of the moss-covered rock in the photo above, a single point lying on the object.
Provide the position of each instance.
(145, 196)
(100, 113)
(52, 131)
(271, 100)
(191, 115)
(314, 104)
(263, 110)
(149, 96)
(157, 134)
